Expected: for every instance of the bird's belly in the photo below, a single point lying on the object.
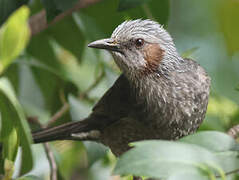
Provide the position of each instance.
(118, 135)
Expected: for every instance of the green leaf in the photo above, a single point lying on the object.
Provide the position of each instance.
(13, 117)
(74, 41)
(37, 64)
(227, 15)
(212, 140)
(64, 5)
(10, 143)
(188, 53)
(163, 158)
(14, 35)
(94, 26)
(50, 85)
(29, 177)
(94, 151)
(188, 176)
(229, 160)
(159, 10)
(12, 74)
(237, 88)
(127, 4)
(155, 10)
(7, 7)
(51, 9)
(8, 169)
(48, 81)
(8, 134)
(45, 54)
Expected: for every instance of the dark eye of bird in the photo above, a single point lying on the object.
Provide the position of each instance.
(139, 42)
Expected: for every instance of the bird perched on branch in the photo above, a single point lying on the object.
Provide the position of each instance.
(159, 95)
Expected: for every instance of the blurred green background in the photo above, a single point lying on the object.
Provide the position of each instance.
(57, 70)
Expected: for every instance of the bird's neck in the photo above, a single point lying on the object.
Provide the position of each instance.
(153, 87)
(151, 90)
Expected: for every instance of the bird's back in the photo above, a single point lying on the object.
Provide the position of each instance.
(187, 97)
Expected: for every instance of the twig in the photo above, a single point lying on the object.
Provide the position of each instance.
(232, 172)
(55, 117)
(92, 86)
(65, 108)
(234, 131)
(58, 114)
(229, 173)
(52, 162)
(49, 153)
(38, 22)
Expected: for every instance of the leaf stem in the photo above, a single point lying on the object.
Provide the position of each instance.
(39, 23)
(147, 11)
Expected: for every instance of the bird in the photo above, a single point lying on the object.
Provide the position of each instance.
(159, 95)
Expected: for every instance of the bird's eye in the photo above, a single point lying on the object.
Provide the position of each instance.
(139, 42)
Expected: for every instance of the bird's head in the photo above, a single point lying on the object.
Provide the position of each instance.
(140, 46)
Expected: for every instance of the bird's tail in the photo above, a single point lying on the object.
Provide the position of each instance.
(64, 132)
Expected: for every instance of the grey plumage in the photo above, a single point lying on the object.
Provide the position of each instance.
(151, 32)
(160, 95)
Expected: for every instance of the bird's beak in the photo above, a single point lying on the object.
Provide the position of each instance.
(108, 44)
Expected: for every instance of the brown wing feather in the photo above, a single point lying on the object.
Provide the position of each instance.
(115, 104)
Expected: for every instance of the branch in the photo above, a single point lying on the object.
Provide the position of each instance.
(229, 173)
(52, 162)
(49, 153)
(92, 86)
(234, 131)
(65, 108)
(38, 22)
(58, 114)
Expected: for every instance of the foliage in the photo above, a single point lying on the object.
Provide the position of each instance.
(195, 155)
(52, 72)
(126, 4)
(14, 37)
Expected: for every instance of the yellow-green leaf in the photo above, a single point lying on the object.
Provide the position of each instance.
(13, 119)
(8, 169)
(10, 145)
(14, 35)
(188, 53)
(228, 14)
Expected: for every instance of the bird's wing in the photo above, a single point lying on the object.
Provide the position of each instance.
(115, 104)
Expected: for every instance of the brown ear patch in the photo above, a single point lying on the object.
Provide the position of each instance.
(153, 54)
